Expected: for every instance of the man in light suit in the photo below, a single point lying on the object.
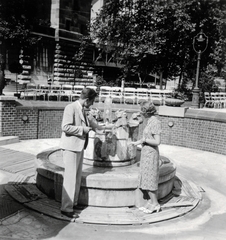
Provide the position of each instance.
(74, 139)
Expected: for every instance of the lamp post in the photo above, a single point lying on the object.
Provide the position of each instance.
(200, 42)
(2, 76)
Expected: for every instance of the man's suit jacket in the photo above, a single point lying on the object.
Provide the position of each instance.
(73, 137)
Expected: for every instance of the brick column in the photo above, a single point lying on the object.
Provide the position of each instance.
(7, 113)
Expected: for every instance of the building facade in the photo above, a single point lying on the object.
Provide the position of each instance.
(53, 55)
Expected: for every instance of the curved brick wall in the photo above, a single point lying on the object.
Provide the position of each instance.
(199, 129)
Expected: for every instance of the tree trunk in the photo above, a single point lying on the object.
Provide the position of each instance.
(180, 78)
(160, 79)
(181, 72)
(140, 80)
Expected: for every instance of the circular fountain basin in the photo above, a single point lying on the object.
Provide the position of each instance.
(100, 186)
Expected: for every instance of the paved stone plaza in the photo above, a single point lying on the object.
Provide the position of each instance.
(206, 221)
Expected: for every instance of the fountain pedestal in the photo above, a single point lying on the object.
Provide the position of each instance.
(110, 169)
(107, 149)
(107, 187)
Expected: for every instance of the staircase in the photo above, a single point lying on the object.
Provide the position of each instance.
(11, 87)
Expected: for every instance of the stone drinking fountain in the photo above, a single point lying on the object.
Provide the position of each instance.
(110, 167)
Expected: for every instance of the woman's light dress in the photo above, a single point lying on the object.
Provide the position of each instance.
(149, 162)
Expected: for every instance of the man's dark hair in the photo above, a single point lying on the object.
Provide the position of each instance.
(88, 93)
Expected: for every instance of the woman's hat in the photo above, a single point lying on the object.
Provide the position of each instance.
(147, 107)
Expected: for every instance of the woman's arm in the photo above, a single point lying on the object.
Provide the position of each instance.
(137, 142)
(153, 142)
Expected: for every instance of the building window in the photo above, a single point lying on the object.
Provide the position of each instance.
(44, 58)
(68, 24)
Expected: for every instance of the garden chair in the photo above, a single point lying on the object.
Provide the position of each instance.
(166, 94)
(116, 94)
(156, 96)
(216, 99)
(42, 92)
(66, 92)
(208, 100)
(142, 94)
(222, 96)
(30, 91)
(76, 92)
(54, 92)
(105, 91)
(129, 94)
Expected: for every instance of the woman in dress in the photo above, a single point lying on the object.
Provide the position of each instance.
(149, 161)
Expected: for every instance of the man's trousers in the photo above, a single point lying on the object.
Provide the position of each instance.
(72, 179)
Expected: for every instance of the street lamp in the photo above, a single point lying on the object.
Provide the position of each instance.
(200, 42)
(2, 76)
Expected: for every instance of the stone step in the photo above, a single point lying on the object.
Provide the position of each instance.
(8, 140)
(28, 195)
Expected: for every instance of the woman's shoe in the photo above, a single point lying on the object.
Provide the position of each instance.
(145, 206)
(142, 208)
(152, 208)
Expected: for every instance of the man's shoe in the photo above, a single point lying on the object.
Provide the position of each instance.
(78, 207)
(69, 214)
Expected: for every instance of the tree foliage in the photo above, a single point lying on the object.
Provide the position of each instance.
(18, 18)
(153, 36)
